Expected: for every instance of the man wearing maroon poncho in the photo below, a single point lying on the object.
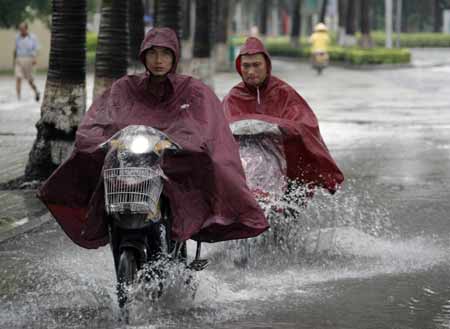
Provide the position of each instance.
(265, 97)
(209, 198)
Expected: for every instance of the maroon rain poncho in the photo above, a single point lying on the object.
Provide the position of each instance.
(208, 195)
(308, 159)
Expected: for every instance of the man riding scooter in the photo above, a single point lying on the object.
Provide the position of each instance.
(204, 182)
(320, 41)
(262, 96)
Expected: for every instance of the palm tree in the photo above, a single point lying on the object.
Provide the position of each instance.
(64, 101)
(168, 14)
(222, 25)
(264, 17)
(350, 28)
(186, 36)
(366, 39)
(323, 11)
(342, 6)
(186, 20)
(112, 49)
(296, 23)
(202, 65)
(437, 10)
(136, 30)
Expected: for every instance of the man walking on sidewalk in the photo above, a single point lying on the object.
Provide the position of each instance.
(24, 59)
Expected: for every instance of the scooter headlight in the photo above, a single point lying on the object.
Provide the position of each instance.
(140, 145)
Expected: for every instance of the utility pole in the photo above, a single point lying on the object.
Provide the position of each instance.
(398, 22)
(388, 22)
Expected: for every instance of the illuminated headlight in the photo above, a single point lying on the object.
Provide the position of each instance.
(140, 144)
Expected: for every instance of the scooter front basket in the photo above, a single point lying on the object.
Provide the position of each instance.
(132, 190)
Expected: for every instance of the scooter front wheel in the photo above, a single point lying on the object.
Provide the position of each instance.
(126, 273)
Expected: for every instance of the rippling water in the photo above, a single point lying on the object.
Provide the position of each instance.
(339, 263)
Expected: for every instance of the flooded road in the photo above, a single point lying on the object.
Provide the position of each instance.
(375, 255)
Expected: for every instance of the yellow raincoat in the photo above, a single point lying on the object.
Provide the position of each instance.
(320, 41)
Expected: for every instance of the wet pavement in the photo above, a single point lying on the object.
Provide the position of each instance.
(386, 265)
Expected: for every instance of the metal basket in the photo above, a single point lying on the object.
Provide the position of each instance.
(134, 190)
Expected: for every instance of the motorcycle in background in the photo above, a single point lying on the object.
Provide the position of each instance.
(320, 60)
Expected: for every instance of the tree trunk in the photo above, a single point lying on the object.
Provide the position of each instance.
(136, 30)
(156, 12)
(146, 7)
(169, 15)
(350, 38)
(437, 14)
(323, 11)
(222, 26)
(186, 35)
(112, 49)
(342, 11)
(405, 12)
(296, 23)
(366, 39)
(64, 100)
(264, 17)
(202, 65)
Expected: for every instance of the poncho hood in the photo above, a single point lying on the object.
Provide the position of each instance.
(253, 46)
(161, 37)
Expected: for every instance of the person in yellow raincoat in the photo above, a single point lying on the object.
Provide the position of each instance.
(320, 41)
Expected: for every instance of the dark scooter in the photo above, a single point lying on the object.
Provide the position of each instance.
(139, 215)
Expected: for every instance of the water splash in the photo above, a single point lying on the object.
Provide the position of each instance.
(307, 229)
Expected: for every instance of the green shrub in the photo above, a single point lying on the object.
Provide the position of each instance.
(359, 56)
(90, 57)
(356, 56)
(91, 41)
(415, 40)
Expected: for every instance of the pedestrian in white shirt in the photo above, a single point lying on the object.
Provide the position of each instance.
(25, 53)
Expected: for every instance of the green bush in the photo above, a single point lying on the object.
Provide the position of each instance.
(280, 46)
(415, 40)
(90, 57)
(91, 42)
(359, 56)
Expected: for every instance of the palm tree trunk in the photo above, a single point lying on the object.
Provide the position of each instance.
(136, 30)
(366, 39)
(186, 35)
(350, 39)
(64, 101)
(168, 13)
(202, 65)
(222, 27)
(112, 51)
(264, 17)
(296, 24)
(323, 11)
(342, 6)
(437, 16)
(186, 20)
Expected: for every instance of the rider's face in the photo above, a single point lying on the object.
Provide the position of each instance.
(23, 29)
(159, 60)
(253, 69)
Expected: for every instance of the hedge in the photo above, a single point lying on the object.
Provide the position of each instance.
(91, 42)
(281, 47)
(415, 40)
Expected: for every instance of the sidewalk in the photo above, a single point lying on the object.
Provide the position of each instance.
(20, 210)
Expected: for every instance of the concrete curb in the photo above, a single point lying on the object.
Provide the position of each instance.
(27, 226)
